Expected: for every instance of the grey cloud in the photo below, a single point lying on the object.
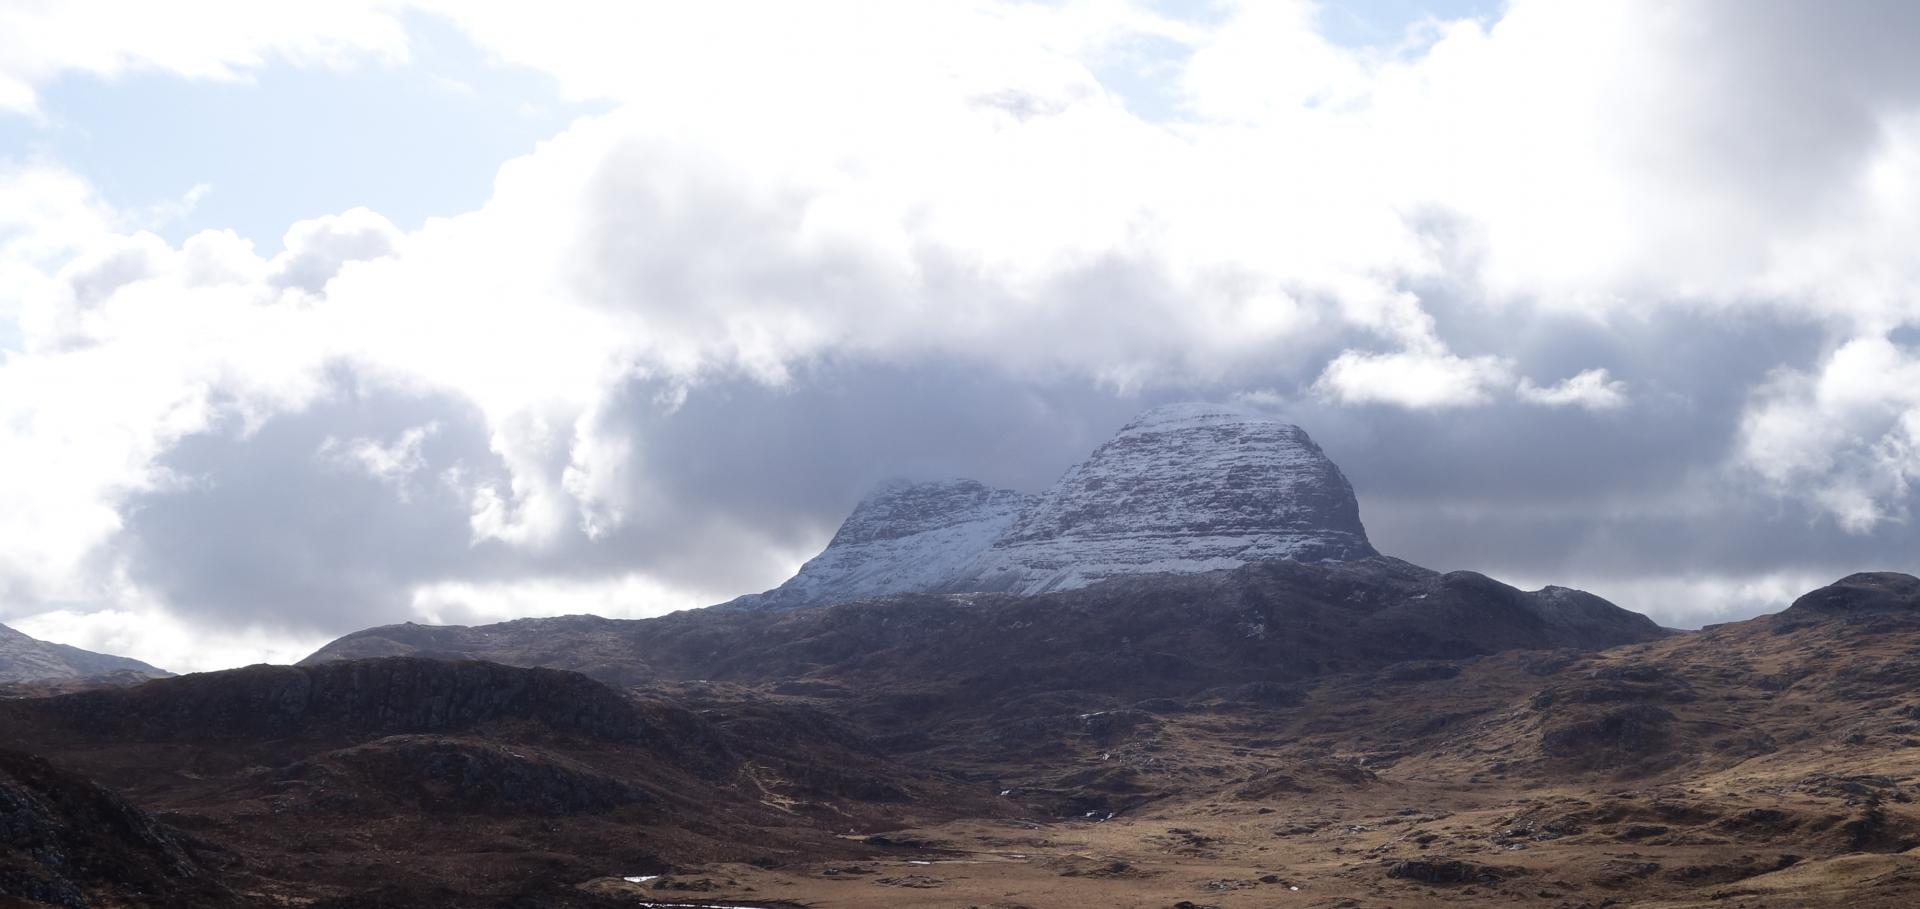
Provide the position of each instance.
(264, 529)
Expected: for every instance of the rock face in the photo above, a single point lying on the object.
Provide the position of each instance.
(65, 841)
(903, 536)
(1184, 488)
(26, 659)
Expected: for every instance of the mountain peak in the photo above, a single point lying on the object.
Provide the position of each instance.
(1193, 414)
(904, 536)
(1182, 488)
(1871, 592)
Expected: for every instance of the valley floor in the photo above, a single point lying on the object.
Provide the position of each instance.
(1388, 846)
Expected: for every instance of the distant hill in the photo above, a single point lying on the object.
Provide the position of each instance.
(26, 659)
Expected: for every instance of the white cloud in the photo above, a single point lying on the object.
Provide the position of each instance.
(1593, 389)
(394, 463)
(316, 249)
(156, 636)
(1848, 433)
(1420, 381)
(1431, 379)
(625, 596)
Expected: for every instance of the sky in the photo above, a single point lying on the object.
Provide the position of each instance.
(321, 316)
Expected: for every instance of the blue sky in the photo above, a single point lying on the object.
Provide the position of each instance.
(292, 142)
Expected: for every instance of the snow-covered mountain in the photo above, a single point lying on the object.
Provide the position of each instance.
(1183, 488)
(27, 659)
(902, 537)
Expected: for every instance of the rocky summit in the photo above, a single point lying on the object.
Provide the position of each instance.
(1866, 593)
(1184, 488)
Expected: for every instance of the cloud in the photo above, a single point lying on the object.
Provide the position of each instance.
(315, 250)
(1592, 389)
(1433, 380)
(395, 463)
(1413, 380)
(1571, 293)
(1848, 432)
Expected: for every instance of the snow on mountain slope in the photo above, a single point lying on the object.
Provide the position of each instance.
(1183, 488)
(902, 537)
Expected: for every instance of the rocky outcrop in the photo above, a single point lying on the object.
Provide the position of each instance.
(27, 659)
(904, 536)
(67, 842)
(1183, 488)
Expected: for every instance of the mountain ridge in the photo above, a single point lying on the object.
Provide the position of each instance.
(25, 659)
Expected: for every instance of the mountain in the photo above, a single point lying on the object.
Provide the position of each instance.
(1263, 622)
(25, 659)
(1183, 488)
(903, 536)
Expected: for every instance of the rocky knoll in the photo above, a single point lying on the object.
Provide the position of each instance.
(1867, 593)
